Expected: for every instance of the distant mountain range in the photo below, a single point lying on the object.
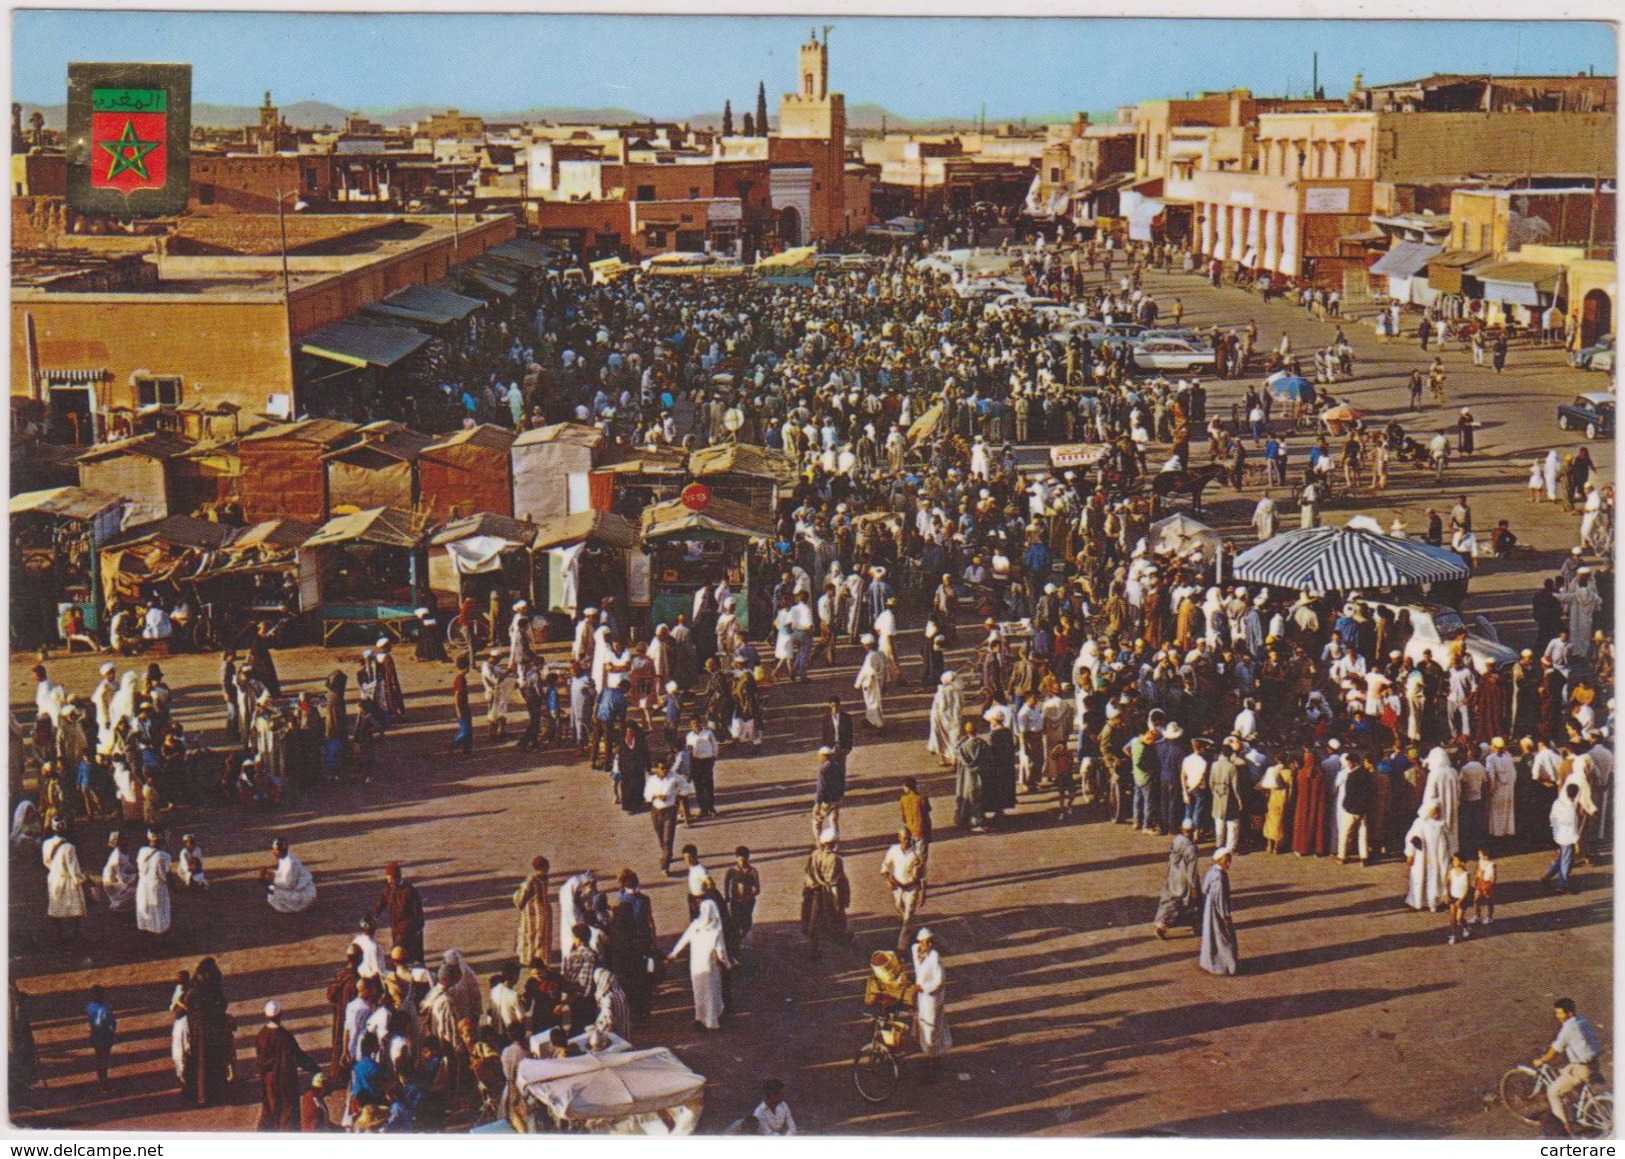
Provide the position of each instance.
(319, 114)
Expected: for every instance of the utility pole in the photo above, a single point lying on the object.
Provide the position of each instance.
(287, 290)
(456, 228)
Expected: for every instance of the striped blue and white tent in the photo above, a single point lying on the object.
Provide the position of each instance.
(1335, 559)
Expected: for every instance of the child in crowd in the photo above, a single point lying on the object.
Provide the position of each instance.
(1458, 883)
(1483, 890)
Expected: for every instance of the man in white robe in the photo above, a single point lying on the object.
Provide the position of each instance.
(152, 868)
(575, 904)
(1443, 793)
(1502, 772)
(118, 876)
(1582, 604)
(871, 682)
(947, 706)
(293, 889)
(64, 882)
(931, 1001)
(1428, 855)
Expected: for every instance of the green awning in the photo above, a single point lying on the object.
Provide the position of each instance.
(426, 304)
(363, 343)
(523, 252)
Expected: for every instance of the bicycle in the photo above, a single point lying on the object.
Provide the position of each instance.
(875, 1068)
(1523, 1093)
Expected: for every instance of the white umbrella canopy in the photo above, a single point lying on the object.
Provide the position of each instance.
(1179, 532)
(612, 1086)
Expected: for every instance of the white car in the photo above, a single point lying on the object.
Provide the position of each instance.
(1172, 354)
(1434, 626)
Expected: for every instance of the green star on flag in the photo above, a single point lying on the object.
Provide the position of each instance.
(129, 152)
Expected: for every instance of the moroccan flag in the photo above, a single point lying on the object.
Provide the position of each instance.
(129, 138)
(128, 133)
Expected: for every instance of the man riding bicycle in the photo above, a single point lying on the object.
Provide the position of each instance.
(1576, 1041)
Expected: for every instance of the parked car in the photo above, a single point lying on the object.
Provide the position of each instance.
(1434, 626)
(1592, 413)
(1172, 354)
(1598, 357)
(1181, 334)
(859, 262)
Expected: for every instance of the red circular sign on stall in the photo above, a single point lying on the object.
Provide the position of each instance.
(696, 497)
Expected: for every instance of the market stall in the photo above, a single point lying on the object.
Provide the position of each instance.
(159, 561)
(647, 476)
(631, 1092)
(253, 578)
(699, 539)
(284, 475)
(581, 558)
(550, 469)
(378, 469)
(468, 472)
(751, 476)
(363, 571)
(474, 555)
(56, 541)
(140, 468)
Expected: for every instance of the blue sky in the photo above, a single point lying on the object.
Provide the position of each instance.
(917, 67)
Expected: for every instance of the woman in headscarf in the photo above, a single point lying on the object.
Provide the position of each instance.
(631, 769)
(463, 988)
(1309, 810)
(947, 706)
(124, 701)
(533, 900)
(933, 652)
(209, 1028)
(707, 959)
(118, 875)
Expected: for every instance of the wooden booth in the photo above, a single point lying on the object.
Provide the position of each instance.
(699, 540)
(284, 472)
(751, 476)
(475, 555)
(56, 541)
(467, 473)
(647, 476)
(581, 558)
(362, 572)
(162, 561)
(378, 469)
(253, 578)
(142, 469)
(550, 469)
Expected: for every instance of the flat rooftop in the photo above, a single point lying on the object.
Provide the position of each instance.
(251, 267)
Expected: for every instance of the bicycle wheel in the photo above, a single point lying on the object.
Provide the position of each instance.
(1523, 1095)
(875, 1073)
(1595, 1119)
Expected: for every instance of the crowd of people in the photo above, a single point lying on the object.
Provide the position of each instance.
(1071, 658)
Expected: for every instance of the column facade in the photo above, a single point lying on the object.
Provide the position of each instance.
(1271, 256)
(1289, 245)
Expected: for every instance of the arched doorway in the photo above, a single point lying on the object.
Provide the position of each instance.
(790, 226)
(1596, 318)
